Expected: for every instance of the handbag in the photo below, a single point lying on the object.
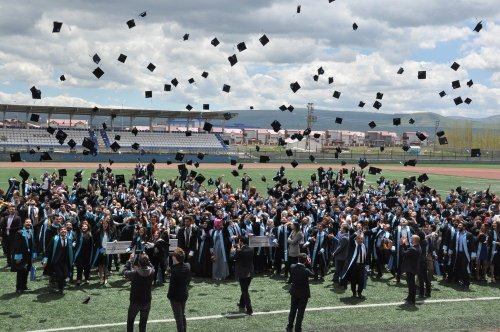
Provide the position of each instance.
(33, 273)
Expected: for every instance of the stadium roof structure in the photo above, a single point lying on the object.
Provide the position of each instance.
(122, 112)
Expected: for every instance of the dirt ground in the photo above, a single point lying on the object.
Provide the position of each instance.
(484, 173)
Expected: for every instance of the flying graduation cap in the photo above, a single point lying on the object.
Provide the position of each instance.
(56, 27)
(35, 93)
(264, 40)
(295, 86)
(479, 26)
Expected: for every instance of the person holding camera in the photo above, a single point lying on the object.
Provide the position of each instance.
(178, 292)
(243, 270)
(299, 291)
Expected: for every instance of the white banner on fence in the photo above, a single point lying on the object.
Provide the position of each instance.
(117, 247)
(172, 244)
(259, 241)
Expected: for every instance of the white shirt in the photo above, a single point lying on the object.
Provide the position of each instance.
(9, 223)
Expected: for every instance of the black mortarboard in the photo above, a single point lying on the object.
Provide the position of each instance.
(361, 104)
(34, 117)
(169, 162)
(226, 88)
(442, 94)
(201, 155)
(96, 59)
(109, 170)
(396, 121)
(120, 178)
(469, 83)
(440, 133)
(62, 78)
(235, 172)
(167, 87)
(264, 40)
(382, 148)
(257, 148)
(307, 132)
(343, 163)
(61, 135)
(131, 24)
(317, 135)
(51, 130)
(345, 171)
(321, 71)
(276, 125)
(207, 126)
(443, 140)
(475, 153)
(289, 152)
(468, 100)
(35, 93)
(72, 143)
(88, 143)
(210, 181)
(338, 149)
(411, 121)
(134, 131)
(362, 163)
(377, 104)
(336, 94)
(455, 84)
(400, 70)
(421, 136)
(200, 178)
(32, 151)
(372, 124)
(264, 159)
(45, 156)
(479, 26)
(233, 59)
(215, 42)
(111, 161)
(122, 58)
(151, 67)
(240, 166)
(104, 126)
(455, 66)
(204, 74)
(458, 100)
(191, 80)
(193, 173)
(135, 146)
(188, 133)
(15, 156)
(118, 137)
(95, 109)
(189, 162)
(196, 164)
(374, 170)
(57, 27)
(423, 178)
(294, 163)
(405, 148)
(153, 161)
(62, 172)
(98, 72)
(295, 86)
(282, 108)
(422, 75)
(174, 81)
(315, 78)
(354, 26)
(233, 162)
(179, 156)
(338, 120)
(148, 94)
(299, 136)
(380, 95)
(298, 9)
(282, 142)
(24, 174)
(241, 46)
(290, 108)
(411, 162)
(189, 107)
(330, 80)
(185, 37)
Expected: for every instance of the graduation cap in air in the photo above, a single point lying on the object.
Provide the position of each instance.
(479, 26)
(200, 155)
(189, 107)
(96, 58)
(233, 162)
(315, 78)
(122, 58)
(35, 93)
(45, 156)
(131, 24)
(405, 148)
(148, 94)
(470, 83)
(240, 166)
(169, 162)
(382, 149)
(298, 9)
(264, 40)
(374, 170)
(362, 163)
(361, 104)
(86, 300)
(135, 146)
(98, 72)
(263, 178)
(400, 70)
(232, 60)
(111, 161)
(215, 42)
(343, 163)
(185, 37)
(380, 95)
(421, 136)
(235, 172)
(474, 153)
(61, 135)
(24, 174)
(188, 133)
(455, 84)
(167, 87)
(282, 108)
(56, 27)
(468, 100)
(290, 108)
(411, 121)
(15, 157)
(458, 100)
(210, 182)
(336, 94)
(174, 82)
(442, 94)
(241, 46)
(354, 26)
(207, 126)
(226, 88)
(51, 130)
(88, 143)
(338, 120)
(34, 117)
(440, 133)
(330, 80)
(117, 137)
(32, 151)
(204, 74)
(411, 162)
(151, 67)
(193, 173)
(276, 125)
(307, 132)
(62, 172)
(289, 152)
(455, 66)
(422, 178)
(317, 135)
(72, 143)
(295, 86)
(294, 163)
(264, 159)
(191, 80)
(377, 104)
(282, 142)
(396, 121)
(422, 75)
(443, 140)
(62, 78)
(200, 179)
(321, 71)
(120, 178)
(372, 124)
(179, 156)
(189, 162)
(312, 158)
(134, 131)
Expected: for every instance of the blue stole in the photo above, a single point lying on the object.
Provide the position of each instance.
(465, 248)
(285, 242)
(217, 236)
(79, 248)
(319, 238)
(354, 256)
(202, 243)
(68, 248)
(235, 231)
(494, 245)
(24, 233)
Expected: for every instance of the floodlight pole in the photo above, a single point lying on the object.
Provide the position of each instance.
(435, 134)
(310, 110)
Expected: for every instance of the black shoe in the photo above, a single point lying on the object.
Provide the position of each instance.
(427, 294)
(360, 296)
(249, 311)
(421, 296)
(410, 302)
(19, 291)
(289, 329)
(354, 295)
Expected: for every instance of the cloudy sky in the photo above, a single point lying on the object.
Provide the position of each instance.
(425, 35)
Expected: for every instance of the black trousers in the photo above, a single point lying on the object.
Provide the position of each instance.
(83, 268)
(133, 310)
(7, 248)
(22, 278)
(245, 301)
(461, 272)
(423, 281)
(179, 309)
(412, 288)
(357, 278)
(297, 309)
(61, 272)
(319, 266)
(278, 260)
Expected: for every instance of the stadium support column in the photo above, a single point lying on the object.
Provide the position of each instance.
(131, 122)
(151, 124)
(3, 119)
(26, 119)
(168, 124)
(71, 120)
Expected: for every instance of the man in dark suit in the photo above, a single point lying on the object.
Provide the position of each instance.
(188, 239)
(340, 254)
(23, 253)
(462, 249)
(180, 276)
(410, 257)
(59, 258)
(243, 270)
(299, 291)
(10, 223)
(355, 265)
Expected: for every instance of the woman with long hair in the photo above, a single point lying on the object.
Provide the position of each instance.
(103, 235)
(83, 253)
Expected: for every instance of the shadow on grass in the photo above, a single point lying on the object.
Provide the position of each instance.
(234, 315)
(455, 286)
(407, 307)
(48, 297)
(5, 313)
(9, 296)
(15, 316)
(351, 300)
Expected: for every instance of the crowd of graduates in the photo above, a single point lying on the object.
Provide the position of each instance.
(67, 225)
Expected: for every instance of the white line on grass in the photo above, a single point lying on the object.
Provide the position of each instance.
(357, 306)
